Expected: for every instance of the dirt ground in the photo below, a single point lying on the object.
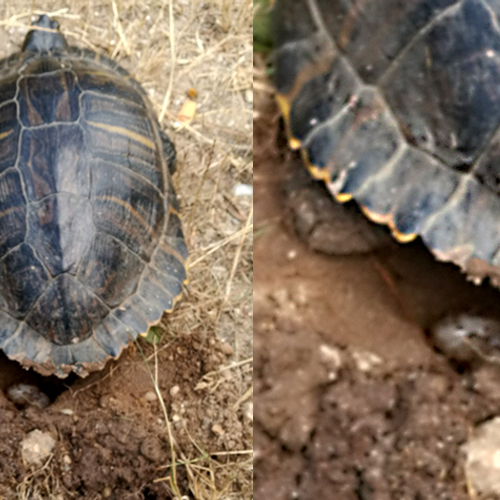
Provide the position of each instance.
(110, 429)
(352, 401)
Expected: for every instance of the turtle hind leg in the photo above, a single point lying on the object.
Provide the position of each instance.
(323, 224)
(168, 151)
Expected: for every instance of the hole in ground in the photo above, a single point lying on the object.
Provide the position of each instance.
(11, 372)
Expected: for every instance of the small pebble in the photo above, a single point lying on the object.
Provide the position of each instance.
(466, 339)
(331, 359)
(36, 447)
(218, 430)
(226, 349)
(486, 381)
(330, 356)
(150, 396)
(248, 410)
(483, 459)
(151, 449)
(27, 395)
(174, 391)
(104, 401)
(249, 96)
(243, 190)
(366, 361)
(106, 492)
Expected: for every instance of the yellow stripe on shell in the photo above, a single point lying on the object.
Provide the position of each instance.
(3, 135)
(130, 209)
(172, 251)
(10, 210)
(126, 132)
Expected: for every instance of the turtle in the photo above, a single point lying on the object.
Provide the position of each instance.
(92, 250)
(396, 105)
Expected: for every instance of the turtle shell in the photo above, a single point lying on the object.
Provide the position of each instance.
(91, 246)
(397, 105)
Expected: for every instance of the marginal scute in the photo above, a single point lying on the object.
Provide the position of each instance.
(132, 317)
(486, 168)
(297, 47)
(423, 194)
(322, 97)
(17, 345)
(112, 335)
(411, 189)
(156, 292)
(468, 227)
(88, 351)
(168, 151)
(165, 260)
(8, 327)
(178, 244)
(30, 343)
(158, 287)
(357, 144)
(53, 354)
(147, 309)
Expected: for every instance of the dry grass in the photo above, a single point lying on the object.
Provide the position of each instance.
(172, 47)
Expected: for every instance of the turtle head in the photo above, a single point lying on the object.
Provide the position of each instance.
(40, 40)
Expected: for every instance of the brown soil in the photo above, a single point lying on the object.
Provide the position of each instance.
(110, 431)
(351, 400)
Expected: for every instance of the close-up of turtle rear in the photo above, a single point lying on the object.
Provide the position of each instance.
(92, 251)
(397, 106)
